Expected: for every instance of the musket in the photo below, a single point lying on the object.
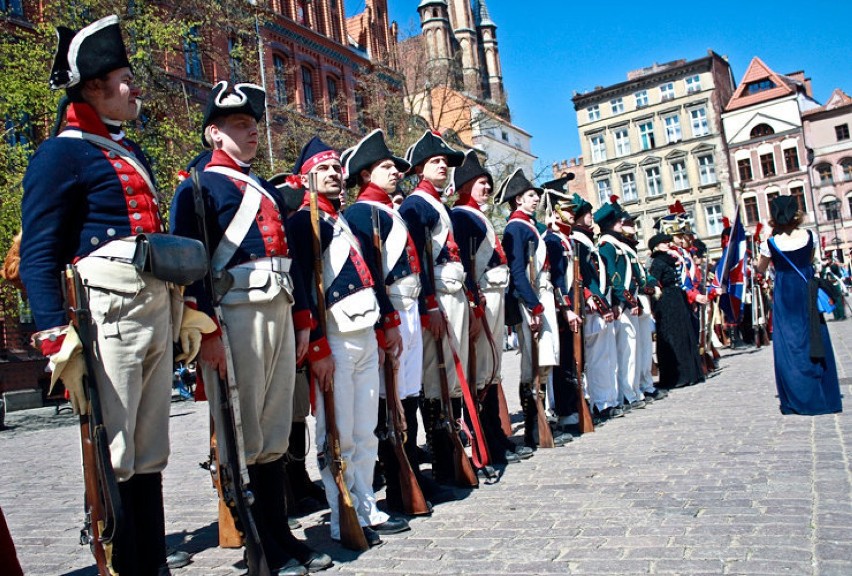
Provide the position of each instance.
(586, 424)
(463, 469)
(232, 477)
(103, 511)
(351, 534)
(703, 351)
(545, 436)
(413, 500)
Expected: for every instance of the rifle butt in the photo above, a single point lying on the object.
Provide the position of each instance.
(545, 436)
(94, 510)
(412, 496)
(503, 407)
(351, 533)
(464, 473)
(587, 424)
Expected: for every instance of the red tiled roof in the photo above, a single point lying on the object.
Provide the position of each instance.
(757, 71)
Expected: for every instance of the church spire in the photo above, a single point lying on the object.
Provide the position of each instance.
(487, 32)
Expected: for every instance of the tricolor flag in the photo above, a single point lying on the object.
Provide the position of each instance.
(731, 272)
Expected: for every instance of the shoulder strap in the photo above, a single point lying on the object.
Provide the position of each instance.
(784, 256)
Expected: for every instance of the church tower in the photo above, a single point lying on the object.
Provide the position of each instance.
(462, 21)
(435, 23)
(490, 56)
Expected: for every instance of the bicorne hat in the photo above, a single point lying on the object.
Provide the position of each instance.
(515, 185)
(314, 152)
(371, 149)
(95, 50)
(470, 170)
(241, 98)
(783, 209)
(429, 145)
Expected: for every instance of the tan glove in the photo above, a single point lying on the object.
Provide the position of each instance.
(69, 366)
(192, 326)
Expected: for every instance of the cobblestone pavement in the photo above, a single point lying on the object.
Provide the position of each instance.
(712, 480)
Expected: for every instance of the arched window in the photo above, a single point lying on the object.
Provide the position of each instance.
(310, 107)
(846, 168)
(824, 174)
(279, 69)
(333, 99)
(762, 130)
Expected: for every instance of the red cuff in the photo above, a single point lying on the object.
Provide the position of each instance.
(380, 338)
(539, 309)
(431, 302)
(691, 294)
(566, 301)
(302, 319)
(50, 347)
(318, 349)
(392, 320)
(587, 293)
(424, 321)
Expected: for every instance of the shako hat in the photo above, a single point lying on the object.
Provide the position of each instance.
(608, 214)
(429, 145)
(371, 149)
(515, 185)
(680, 212)
(783, 209)
(669, 224)
(581, 205)
(556, 200)
(470, 170)
(243, 98)
(95, 50)
(314, 152)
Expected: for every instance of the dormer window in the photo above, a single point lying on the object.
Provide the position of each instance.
(760, 86)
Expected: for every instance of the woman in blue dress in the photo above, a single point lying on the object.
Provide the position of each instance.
(805, 372)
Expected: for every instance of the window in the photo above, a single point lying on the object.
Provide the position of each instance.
(302, 12)
(762, 130)
(699, 122)
(767, 164)
(760, 86)
(673, 133)
(308, 91)
(791, 159)
(279, 69)
(824, 175)
(842, 132)
(641, 98)
(604, 190)
(333, 102)
(653, 182)
(622, 142)
(598, 148)
(681, 180)
(504, 136)
(713, 215)
(646, 134)
(832, 209)
(628, 187)
(693, 84)
(707, 169)
(617, 105)
(594, 113)
(192, 55)
(846, 168)
(667, 92)
(12, 7)
(752, 215)
(234, 60)
(770, 196)
(744, 167)
(798, 192)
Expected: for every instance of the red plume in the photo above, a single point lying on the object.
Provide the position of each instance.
(757, 230)
(726, 223)
(613, 199)
(677, 208)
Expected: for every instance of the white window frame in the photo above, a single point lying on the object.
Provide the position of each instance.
(698, 118)
(707, 169)
(597, 143)
(680, 177)
(622, 141)
(628, 187)
(648, 141)
(667, 92)
(617, 105)
(713, 217)
(594, 113)
(653, 182)
(693, 84)
(604, 189)
(673, 130)
(641, 98)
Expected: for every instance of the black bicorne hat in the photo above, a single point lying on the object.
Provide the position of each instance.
(515, 185)
(242, 98)
(429, 145)
(783, 209)
(559, 184)
(470, 170)
(95, 50)
(371, 149)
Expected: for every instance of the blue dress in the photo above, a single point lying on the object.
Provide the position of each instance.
(804, 386)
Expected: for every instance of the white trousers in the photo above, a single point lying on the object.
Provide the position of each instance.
(457, 311)
(548, 339)
(645, 351)
(600, 349)
(263, 347)
(132, 335)
(486, 355)
(356, 406)
(627, 367)
(411, 359)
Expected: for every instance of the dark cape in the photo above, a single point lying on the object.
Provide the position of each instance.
(677, 342)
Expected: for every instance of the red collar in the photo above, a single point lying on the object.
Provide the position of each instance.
(564, 228)
(429, 189)
(222, 158)
(81, 115)
(520, 215)
(467, 200)
(373, 193)
(323, 203)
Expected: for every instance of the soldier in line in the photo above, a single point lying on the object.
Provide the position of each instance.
(345, 355)
(531, 296)
(598, 329)
(444, 306)
(88, 194)
(487, 274)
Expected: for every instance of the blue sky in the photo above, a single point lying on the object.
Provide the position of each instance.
(551, 48)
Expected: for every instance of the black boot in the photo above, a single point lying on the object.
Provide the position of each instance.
(150, 523)
(439, 442)
(495, 439)
(267, 519)
(307, 495)
(432, 491)
(124, 559)
(530, 409)
(388, 462)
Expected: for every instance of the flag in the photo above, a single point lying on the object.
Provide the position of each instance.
(731, 272)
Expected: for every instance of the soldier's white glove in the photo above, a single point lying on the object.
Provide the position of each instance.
(69, 366)
(192, 326)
